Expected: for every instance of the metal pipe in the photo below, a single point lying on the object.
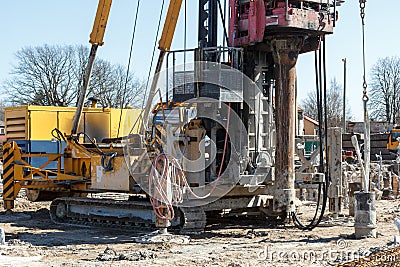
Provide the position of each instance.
(354, 141)
(287, 9)
(285, 132)
(285, 53)
(335, 190)
(167, 81)
(367, 146)
(344, 93)
(82, 93)
(334, 13)
(153, 90)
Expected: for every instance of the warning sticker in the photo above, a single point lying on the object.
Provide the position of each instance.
(99, 173)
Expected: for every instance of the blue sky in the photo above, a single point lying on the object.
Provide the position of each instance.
(32, 23)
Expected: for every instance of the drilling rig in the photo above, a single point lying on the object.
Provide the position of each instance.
(218, 137)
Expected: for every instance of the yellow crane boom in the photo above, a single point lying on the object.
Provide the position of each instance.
(164, 45)
(170, 25)
(100, 22)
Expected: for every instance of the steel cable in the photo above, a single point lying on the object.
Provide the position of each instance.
(129, 65)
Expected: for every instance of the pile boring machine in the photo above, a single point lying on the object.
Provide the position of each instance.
(217, 136)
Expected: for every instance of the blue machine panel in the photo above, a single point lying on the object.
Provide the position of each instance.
(35, 147)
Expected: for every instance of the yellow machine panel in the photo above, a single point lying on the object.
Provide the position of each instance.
(40, 124)
(64, 121)
(130, 122)
(116, 179)
(37, 122)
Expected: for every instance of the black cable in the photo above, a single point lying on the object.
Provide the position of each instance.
(91, 141)
(129, 65)
(327, 174)
(223, 22)
(299, 224)
(185, 32)
(319, 111)
(184, 54)
(321, 107)
(152, 57)
(314, 223)
(108, 166)
(151, 66)
(57, 134)
(324, 188)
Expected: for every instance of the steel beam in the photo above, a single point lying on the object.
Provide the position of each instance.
(336, 190)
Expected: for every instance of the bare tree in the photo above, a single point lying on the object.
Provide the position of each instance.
(114, 87)
(334, 99)
(3, 105)
(309, 105)
(52, 75)
(385, 89)
(43, 76)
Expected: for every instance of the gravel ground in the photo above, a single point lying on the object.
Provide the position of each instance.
(33, 240)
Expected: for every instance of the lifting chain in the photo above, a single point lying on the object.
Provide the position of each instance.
(362, 10)
(365, 85)
(365, 98)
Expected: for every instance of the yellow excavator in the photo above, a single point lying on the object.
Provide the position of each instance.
(82, 168)
(393, 140)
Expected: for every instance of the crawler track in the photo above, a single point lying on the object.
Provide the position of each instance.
(136, 214)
